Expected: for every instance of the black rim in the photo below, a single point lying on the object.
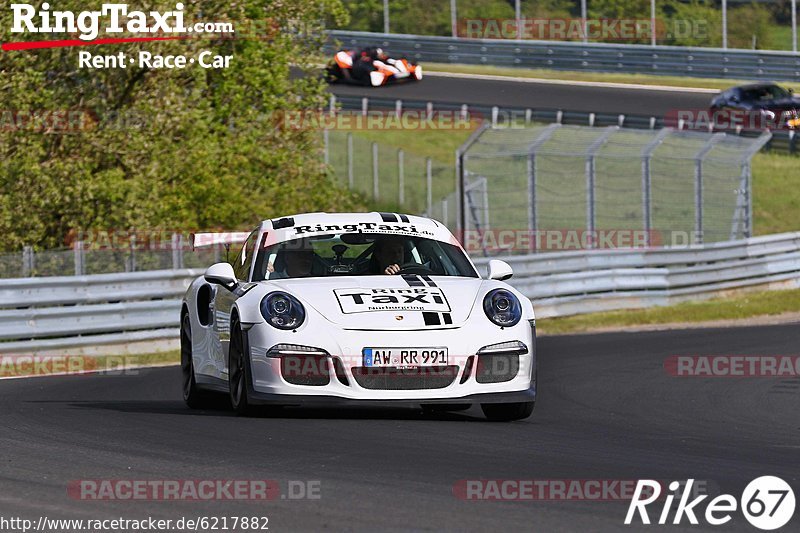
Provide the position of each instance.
(186, 356)
(237, 366)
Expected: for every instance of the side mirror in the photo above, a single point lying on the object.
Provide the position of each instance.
(499, 270)
(221, 274)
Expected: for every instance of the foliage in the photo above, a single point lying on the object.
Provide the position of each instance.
(164, 148)
(681, 22)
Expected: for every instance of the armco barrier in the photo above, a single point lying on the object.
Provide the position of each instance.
(109, 311)
(592, 57)
(781, 140)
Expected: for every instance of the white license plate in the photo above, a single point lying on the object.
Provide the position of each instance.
(404, 357)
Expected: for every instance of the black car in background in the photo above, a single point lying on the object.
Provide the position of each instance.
(757, 106)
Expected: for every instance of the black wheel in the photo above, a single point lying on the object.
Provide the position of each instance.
(506, 412)
(238, 370)
(192, 395)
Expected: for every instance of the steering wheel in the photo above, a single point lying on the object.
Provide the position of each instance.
(415, 268)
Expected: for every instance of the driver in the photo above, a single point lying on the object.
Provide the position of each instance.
(388, 255)
(298, 265)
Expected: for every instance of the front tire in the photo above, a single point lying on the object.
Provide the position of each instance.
(192, 395)
(506, 412)
(238, 370)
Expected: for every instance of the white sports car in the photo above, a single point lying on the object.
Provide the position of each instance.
(332, 309)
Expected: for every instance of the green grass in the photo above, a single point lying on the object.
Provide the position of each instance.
(776, 179)
(100, 363)
(417, 145)
(569, 75)
(782, 37)
(776, 193)
(767, 303)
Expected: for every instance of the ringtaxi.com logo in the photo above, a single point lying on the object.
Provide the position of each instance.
(767, 502)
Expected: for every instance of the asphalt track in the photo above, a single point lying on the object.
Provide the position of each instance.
(517, 94)
(607, 410)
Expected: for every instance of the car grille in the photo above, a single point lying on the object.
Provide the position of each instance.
(305, 369)
(496, 368)
(436, 377)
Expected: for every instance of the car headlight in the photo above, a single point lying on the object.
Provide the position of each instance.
(282, 311)
(502, 308)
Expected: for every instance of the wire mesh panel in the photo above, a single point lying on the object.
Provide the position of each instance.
(648, 187)
(392, 178)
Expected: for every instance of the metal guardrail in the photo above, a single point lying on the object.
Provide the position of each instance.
(75, 312)
(568, 283)
(592, 57)
(105, 312)
(781, 140)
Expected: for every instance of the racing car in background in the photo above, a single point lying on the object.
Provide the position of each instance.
(371, 67)
(329, 309)
(758, 106)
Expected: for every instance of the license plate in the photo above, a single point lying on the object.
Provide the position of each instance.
(404, 357)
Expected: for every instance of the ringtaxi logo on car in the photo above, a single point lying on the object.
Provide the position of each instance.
(768, 503)
(410, 299)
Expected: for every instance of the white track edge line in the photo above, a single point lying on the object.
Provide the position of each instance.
(612, 85)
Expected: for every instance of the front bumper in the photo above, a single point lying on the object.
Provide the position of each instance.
(343, 386)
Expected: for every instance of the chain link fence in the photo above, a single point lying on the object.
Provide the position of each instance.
(672, 187)
(83, 259)
(393, 179)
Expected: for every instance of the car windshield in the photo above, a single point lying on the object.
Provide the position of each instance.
(765, 93)
(361, 254)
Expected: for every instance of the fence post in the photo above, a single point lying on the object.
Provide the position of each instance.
(647, 196)
(590, 218)
(332, 104)
(78, 255)
(364, 106)
(453, 19)
(177, 251)
(749, 201)
(132, 255)
(444, 211)
(27, 261)
(375, 191)
(532, 197)
(350, 160)
(326, 146)
(401, 194)
(698, 200)
(646, 200)
(429, 186)
(385, 16)
(398, 108)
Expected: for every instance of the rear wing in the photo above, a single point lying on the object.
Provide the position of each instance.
(205, 240)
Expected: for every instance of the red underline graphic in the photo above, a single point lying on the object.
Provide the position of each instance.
(33, 45)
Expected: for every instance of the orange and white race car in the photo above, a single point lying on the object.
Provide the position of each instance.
(372, 67)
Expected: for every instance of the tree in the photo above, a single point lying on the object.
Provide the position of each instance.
(151, 148)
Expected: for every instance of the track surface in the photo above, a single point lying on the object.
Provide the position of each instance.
(607, 410)
(536, 95)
